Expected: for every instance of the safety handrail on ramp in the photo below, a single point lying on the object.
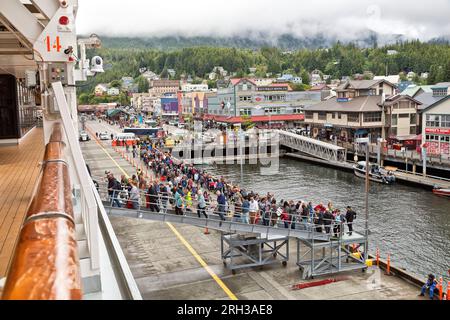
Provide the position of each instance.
(213, 222)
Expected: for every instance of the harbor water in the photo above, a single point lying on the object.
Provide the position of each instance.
(412, 224)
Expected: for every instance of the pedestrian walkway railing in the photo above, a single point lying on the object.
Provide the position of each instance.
(310, 227)
(45, 264)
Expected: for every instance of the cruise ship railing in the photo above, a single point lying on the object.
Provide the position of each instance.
(45, 264)
(89, 208)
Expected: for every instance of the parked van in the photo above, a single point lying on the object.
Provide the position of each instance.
(125, 136)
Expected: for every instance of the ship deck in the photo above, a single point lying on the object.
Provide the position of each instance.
(19, 171)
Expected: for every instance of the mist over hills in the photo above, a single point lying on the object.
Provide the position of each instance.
(285, 42)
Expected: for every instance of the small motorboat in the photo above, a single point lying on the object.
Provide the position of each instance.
(376, 173)
(442, 192)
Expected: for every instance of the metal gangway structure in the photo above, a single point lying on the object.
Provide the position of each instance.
(66, 246)
(318, 253)
(312, 147)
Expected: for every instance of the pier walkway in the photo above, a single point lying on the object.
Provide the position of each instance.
(400, 175)
(312, 147)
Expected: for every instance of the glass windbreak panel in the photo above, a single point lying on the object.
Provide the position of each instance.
(27, 109)
(8, 107)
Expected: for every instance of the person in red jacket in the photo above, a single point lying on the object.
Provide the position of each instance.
(285, 218)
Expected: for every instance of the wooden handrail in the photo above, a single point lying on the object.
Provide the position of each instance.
(45, 264)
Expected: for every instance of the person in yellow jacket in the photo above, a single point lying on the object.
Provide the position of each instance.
(188, 200)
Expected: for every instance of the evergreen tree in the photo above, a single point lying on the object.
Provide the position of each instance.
(143, 84)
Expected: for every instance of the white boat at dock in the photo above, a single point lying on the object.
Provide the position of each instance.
(442, 192)
(376, 173)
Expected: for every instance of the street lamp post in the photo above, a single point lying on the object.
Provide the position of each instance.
(366, 141)
(242, 152)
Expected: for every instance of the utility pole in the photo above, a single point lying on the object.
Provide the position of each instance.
(366, 141)
(424, 160)
(242, 152)
(366, 248)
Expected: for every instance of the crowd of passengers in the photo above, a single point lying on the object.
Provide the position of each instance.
(185, 188)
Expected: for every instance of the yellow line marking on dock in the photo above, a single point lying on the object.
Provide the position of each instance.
(107, 153)
(203, 263)
(200, 260)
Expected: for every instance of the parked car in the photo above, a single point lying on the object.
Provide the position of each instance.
(104, 136)
(84, 136)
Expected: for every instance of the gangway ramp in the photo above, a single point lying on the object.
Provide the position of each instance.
(317, 253)
(213, 222)
(312, 147)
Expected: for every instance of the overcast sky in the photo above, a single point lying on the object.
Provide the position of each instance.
(345, 19)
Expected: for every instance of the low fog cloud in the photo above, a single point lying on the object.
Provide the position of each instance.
(343, 19)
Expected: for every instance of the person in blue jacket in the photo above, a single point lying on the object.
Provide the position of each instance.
(430, 284)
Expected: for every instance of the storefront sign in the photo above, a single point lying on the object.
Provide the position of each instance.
(437, 131)
(269, 88)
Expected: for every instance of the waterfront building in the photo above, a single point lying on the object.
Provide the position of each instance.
(161, 87)
(185, 102)
(273, 105)
(170, 106)
(436, 127)
(356, 111)
(402, 119)
(415, 90)
(143, 102)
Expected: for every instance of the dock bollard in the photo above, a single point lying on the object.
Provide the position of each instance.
(388, 267)
(206, 231)
(441, 289)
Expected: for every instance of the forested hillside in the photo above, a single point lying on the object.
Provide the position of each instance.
(338, 60)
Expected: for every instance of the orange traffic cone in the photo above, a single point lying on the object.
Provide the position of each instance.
(448, 290)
